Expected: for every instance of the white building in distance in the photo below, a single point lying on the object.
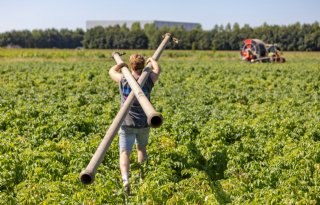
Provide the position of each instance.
(186, 25)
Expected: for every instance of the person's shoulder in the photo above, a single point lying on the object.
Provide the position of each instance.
(154, 76)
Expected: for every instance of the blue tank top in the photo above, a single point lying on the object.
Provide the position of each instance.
(136, 117)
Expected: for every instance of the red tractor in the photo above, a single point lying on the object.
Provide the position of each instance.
(255, 50)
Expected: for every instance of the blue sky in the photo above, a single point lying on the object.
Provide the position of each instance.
(41, 14)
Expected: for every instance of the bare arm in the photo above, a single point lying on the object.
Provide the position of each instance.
(114, 72)
(156, 69)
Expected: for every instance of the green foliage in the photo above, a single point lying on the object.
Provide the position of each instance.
(233, 133)
(294, 37)
(48, 38)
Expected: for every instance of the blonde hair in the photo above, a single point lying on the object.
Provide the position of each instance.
(137, 62)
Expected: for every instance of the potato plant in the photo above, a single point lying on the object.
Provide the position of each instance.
(234, 132)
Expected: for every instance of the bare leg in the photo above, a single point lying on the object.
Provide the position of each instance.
(142, 154)
(142, 157)
(124, 165)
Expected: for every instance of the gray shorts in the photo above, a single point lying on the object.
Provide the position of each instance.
(128, 136)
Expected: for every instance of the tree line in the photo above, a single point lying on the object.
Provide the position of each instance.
(294, 37)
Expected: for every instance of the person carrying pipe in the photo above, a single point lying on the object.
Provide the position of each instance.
(135, 128)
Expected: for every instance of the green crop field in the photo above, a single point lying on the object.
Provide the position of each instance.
(233, 132)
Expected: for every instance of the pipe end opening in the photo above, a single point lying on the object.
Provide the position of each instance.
(86, 178)
(156, 120)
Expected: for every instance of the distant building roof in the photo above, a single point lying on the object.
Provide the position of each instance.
(186, 25)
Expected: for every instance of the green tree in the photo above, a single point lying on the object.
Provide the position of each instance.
(137, 39)
(292, 37)
(96, 38)
(153, 35)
